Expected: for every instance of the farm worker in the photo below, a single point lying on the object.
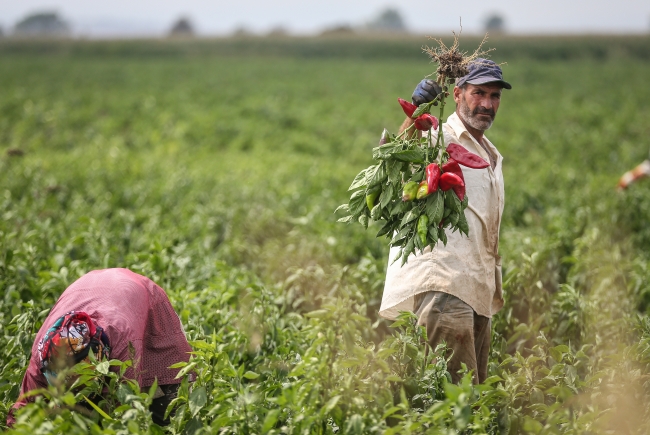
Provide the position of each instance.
(109, 311)
(455, 289)
(640, 171)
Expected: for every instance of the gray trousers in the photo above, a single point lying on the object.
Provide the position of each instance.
(449, 320)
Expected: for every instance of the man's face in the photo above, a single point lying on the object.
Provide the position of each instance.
(478, 104)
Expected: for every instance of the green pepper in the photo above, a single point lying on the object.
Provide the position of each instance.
(423, 190)
(371, 197)
(410, 191)
(423, 228)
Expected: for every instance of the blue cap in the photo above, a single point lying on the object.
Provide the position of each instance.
(483, 71)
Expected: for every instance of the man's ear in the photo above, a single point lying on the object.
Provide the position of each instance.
(457, 92)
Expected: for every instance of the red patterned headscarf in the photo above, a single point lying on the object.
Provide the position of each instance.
(70, 339)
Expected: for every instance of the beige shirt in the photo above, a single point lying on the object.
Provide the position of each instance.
(468, 267)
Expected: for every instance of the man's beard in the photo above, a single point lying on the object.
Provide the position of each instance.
(470, 116)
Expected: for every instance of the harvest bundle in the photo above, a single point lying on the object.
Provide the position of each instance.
(416, 187)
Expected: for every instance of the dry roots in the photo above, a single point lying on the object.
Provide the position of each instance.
(453, 63)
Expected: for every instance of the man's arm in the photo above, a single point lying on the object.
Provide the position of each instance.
(406, 124)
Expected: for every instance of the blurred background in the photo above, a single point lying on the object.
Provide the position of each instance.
(148, 18)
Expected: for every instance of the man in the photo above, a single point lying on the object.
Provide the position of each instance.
(119, 315)
(455, 289)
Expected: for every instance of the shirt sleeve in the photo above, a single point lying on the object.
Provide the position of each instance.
(33, 380)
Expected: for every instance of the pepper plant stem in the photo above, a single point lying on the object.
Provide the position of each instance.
(440, 120)
(406, 130)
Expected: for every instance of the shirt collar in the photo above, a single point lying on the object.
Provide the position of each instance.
(460, 131)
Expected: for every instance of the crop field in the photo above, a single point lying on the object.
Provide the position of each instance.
(215, 167)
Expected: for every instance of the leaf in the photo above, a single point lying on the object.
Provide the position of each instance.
(400, 235)
(563, 348)
(251, 375)
(344, 207)
(386, 229)
(399, 243)
(412, 156)
(363, 220)
(102, 367)
(463, 225)
(201, 344)
(408, 249)
(400, 207)
(399, 255)
(417, 176)
(435, 207)
(454, 202)
(384, 151)
(433, 235)
(346, 219)
(409, 217)
(185, 370)
(360, 179)
(330, 405)
(391, 411)
(270, 420)
(394, 171)
(457, 203)
(375, 213)
(317, 314)
(418, 243)
(385, 353)
(453, 218)
(193, 426)
(387, 195)
(422, 108)
(379, 176)
(198, 399)
(357, 202)
(98, 409)
(442, 236)
(531, 425)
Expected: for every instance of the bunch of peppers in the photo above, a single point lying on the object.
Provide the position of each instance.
(416, 189)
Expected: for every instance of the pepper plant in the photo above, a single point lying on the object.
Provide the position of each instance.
(416, 187)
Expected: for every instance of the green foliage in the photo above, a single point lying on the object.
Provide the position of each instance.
(217, 175)
(387, 195)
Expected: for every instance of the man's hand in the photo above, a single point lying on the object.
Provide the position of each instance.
(425, 91)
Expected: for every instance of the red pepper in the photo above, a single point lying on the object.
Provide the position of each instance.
(466, 158)
(433, 177)
(453, 167)
(449, 180)
(407, 107)
(460, 191)
(425, 122)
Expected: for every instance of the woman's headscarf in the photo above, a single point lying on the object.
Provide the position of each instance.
(69, 340)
